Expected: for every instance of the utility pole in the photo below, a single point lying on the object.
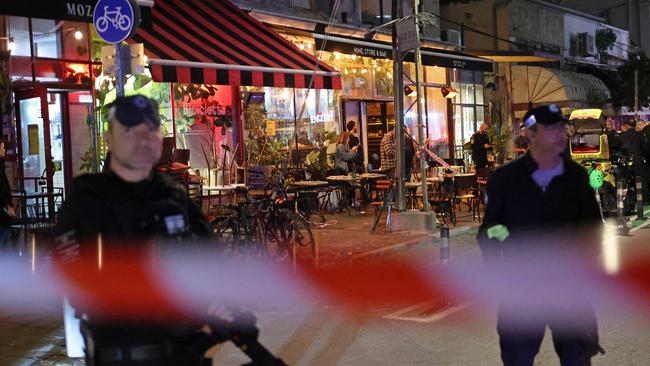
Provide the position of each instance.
(398, 87)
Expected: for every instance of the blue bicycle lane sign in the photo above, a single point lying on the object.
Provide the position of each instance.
(115, 20)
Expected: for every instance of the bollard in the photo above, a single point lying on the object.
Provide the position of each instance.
(600, 204)
(619, 198)
(444, 248)
(639, 199)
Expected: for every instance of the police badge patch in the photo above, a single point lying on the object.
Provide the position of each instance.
(175, 224)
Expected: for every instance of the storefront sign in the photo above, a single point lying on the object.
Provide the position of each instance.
(430, 57)
(370, 52)
(74, 10)
(354, 49)
(203, 109)
(407, 35)
(322, 117)
(586, 114)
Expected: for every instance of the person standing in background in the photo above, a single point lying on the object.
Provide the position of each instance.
(480, 145)
(7, 212)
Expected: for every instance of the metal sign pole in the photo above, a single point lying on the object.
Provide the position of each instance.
(420, 95)
(398, 84)
(119, 88)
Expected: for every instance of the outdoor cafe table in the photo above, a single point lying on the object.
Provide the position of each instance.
(342, 178)
(309, 183)
(220, 190)
(371, 176)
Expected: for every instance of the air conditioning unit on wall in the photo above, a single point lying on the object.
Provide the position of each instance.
(450, 36)
(586, 44)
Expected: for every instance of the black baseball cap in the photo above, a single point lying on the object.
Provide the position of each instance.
(133, 110)
(545, 115)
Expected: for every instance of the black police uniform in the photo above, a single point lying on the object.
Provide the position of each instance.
(133, 214)
(479, 152)
(540, 221)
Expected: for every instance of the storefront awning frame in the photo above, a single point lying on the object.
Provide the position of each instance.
(215, 42)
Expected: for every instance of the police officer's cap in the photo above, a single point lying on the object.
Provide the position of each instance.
(133, 110)
(545, 115)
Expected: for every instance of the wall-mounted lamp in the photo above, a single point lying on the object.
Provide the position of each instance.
(448, 92)
(11, 45)
(410, 92)
(78, 35)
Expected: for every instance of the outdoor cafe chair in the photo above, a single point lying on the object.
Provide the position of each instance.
(466, 191)
(441, 199)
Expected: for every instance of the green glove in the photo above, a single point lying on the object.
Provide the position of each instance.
(498, 232)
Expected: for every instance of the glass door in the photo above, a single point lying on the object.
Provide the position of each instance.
(33, 132)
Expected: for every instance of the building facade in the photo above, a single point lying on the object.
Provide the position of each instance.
(538, 48)
(366, 65)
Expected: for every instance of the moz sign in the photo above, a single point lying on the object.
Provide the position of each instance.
(81, 10)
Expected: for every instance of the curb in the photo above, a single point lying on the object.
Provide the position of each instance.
(407, 244)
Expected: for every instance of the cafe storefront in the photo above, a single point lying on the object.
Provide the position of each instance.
(239, 94)
(50, 56)
(222, 81)
(366, 69)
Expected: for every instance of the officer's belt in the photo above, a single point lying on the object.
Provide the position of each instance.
(136, 353)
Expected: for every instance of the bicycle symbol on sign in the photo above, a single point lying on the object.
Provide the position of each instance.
(115, 17)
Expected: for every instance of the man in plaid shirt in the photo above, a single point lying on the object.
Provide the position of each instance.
(388, 152)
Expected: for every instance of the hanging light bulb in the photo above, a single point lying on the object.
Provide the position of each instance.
(78, 35)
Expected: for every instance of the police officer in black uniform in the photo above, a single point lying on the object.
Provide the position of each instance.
(129, 202)
(539, 204)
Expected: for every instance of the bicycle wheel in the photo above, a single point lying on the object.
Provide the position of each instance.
(274, 236)
(226, 231)
(299, 239)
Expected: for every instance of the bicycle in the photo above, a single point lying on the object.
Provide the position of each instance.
(266, 229)
(239, 231)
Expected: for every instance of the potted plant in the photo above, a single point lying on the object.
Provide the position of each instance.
(501, 140)
(318, 162)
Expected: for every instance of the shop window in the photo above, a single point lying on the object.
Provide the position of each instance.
(60, 71)
(383, 78)
(19, 33)
(46, 42)
(436, 121)
(435, 75)
(467, 93)
(478, 90)
(316, 114)
(60, 39)
(469, 109)
(357, 74)
(204, 124)
(134, 84)
(270, 122)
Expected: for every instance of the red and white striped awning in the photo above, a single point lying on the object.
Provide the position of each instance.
(215, 42)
